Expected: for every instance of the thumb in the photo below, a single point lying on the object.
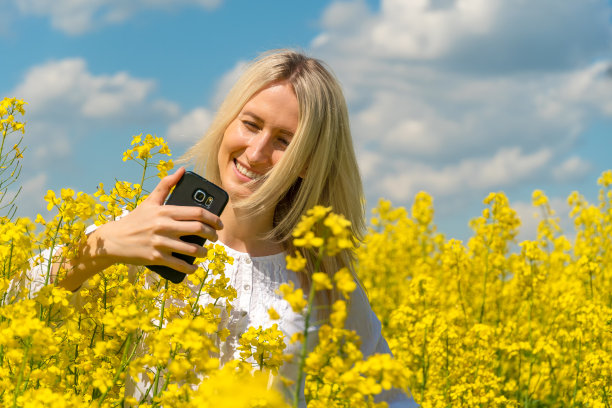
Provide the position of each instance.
(161, 191)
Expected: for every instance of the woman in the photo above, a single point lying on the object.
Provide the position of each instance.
(279, 145)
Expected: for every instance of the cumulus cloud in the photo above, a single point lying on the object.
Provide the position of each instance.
(189, 128)
(509, 165)
(67, 88)
(227, 81)
(480, 35)
(573, 168)
(77, 16)
(69, 107)
(30, 197)
(459, 97)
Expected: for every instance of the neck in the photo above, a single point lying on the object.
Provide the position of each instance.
(245, 232)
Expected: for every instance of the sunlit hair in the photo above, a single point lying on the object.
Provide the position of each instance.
(321, 149)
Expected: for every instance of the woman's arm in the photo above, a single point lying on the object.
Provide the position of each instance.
(146, 236)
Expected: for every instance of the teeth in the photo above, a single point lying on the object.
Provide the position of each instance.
(244, 171)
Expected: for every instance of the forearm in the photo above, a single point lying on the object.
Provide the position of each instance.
(91, 258)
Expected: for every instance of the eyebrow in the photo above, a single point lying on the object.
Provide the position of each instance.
(259, 119)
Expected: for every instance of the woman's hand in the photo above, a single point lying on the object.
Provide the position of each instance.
(146, 236)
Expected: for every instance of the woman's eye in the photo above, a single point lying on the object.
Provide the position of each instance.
(250, 125)
(283, 142)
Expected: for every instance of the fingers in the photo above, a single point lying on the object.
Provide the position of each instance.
(197, 228)
(167, 258)
(177, 264)
(161, 191)
(193, 213)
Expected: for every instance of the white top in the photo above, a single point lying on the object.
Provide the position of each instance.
(256, 280)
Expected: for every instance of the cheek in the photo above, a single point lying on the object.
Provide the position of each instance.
(276, 157)
(232, 139)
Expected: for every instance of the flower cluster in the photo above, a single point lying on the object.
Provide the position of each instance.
(10, 165)
(264, 346)
(336, 374)
(496, 322)
(146, 149)
(321, 227)
(490, 322)
(9, 107)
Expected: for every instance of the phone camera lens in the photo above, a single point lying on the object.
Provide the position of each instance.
(199, 196)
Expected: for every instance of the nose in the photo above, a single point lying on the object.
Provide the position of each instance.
(259, 150)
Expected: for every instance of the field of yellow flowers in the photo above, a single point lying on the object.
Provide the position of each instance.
(485, 323)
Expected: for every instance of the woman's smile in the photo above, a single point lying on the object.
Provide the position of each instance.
(248, 174)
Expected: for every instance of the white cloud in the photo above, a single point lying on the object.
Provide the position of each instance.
(480, 35)
(508, 166)
(457, 97)
(30, 198)
(189, 128)
(67, 88)
(70, 109)
(573, 168)
(78, 16)
(227, 81)
(415, 29)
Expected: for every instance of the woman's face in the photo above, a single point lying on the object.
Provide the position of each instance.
(257, 138)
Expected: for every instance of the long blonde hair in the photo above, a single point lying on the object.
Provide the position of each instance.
(321, 150)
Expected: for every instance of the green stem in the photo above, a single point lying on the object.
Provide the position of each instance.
(122, 367)
(104, 300)
(484, 288)
(195, 304)
(50, 261)
(424, 367)
(52, 250)
(4, 133)
(21, 371)
(76, 356)
(159, 327)
(167, 376)
(142, 179)
(577, 373)
(311, 294)
(8, 271)
(465, 316)
(530, 327)
(447, 363)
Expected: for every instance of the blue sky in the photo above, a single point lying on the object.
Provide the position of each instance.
(457, 98)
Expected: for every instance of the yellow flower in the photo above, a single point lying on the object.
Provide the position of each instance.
(345, 281)
(163, 167)
(51, 199)
(296, 263)
(273, 314)
(18, 153)
(295, 297)
(321, 281)
(309, 240)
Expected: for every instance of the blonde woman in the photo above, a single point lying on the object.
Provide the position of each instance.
(279, 145)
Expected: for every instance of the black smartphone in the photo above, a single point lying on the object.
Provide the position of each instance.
(194, 190)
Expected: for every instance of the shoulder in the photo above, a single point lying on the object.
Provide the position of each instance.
(362, 319)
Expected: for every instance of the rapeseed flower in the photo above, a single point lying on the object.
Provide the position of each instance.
(488, 322)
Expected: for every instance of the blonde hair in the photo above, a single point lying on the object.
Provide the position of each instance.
(321, 150)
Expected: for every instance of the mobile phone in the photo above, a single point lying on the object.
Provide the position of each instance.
(193, 190)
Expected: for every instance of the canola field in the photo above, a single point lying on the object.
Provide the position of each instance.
(490, 322)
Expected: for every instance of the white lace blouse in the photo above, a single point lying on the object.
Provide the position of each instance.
(256, 280)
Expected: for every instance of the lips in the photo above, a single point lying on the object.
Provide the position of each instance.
(246, 172)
